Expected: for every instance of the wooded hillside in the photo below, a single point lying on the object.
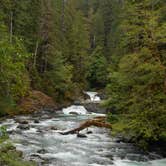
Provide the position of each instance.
(61, 47)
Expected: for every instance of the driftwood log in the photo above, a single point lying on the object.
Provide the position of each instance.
(98, 122)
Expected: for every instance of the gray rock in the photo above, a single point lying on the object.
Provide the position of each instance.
(77, 102)
(89, 132)
(94, 107)
(53, 128)
(22, 121)
(36, 121)
(23, 127)
(81, 135)
(73, 113)
(42, 151)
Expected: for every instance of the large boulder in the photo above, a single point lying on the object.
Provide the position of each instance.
(94, 107)
(36, 101)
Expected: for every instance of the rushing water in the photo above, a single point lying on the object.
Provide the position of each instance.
(42, 142)
(80, 110)
(93, 96)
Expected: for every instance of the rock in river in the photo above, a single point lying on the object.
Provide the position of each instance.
(36, 121)
(21, 121)
(81, 135)
(23, 126)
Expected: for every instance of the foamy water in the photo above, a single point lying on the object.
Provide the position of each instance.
(49, 148)
(43, 143)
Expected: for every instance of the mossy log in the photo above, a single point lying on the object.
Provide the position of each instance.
(98, 122)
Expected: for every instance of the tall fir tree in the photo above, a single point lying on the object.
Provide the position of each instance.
(137, 87)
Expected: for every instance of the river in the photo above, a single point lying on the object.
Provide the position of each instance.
(41, 141)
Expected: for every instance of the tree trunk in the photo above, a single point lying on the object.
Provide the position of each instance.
(63, 16)
(98, 122)
(35, 55)
(11, 26)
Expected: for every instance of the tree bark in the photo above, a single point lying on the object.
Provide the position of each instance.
(98, 122)
(63, 17)
(11, 26)
(35, 55)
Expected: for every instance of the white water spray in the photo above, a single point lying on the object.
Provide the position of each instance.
(93, 96)
(80, 110)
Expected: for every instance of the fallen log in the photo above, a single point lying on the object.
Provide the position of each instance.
(98, 122)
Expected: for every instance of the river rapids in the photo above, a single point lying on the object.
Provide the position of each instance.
(40, 141)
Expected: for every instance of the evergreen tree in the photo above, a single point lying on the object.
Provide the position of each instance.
(78, 45)
(97, 71)
(137, 87)
(14, 79)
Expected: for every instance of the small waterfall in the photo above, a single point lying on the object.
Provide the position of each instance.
(93, 96)
(79, 109)
(42, 142)
(75, 109)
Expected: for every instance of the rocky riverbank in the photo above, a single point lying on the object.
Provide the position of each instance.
(36, 101)
(9, 156)
(39, 140)
(38, 137)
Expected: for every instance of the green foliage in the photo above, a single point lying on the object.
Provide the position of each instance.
(112, 118)
(7, 106)
(14, 80)
(13, 75)
(57, 81)
(9, 156)
(97, 72)
(78, 44)
(3, 133)
(119, 125)
(136, 87)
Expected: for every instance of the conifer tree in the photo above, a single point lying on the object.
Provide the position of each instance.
(137, 87)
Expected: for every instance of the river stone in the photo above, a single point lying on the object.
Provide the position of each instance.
(136, 157)
(89, 132)
(42, 151)
(154, 156)
(73, 113)
(23, 126)
(9, 132)
(36, 121)
(53, 128)
(39, 130)
(36, 156)
(94, 107)
(81, 135)
(46, 117)
(22, 121)
(77, 102)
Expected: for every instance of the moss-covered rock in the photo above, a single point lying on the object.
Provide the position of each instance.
(9, 156)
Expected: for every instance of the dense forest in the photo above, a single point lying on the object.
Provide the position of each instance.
(62, 47)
